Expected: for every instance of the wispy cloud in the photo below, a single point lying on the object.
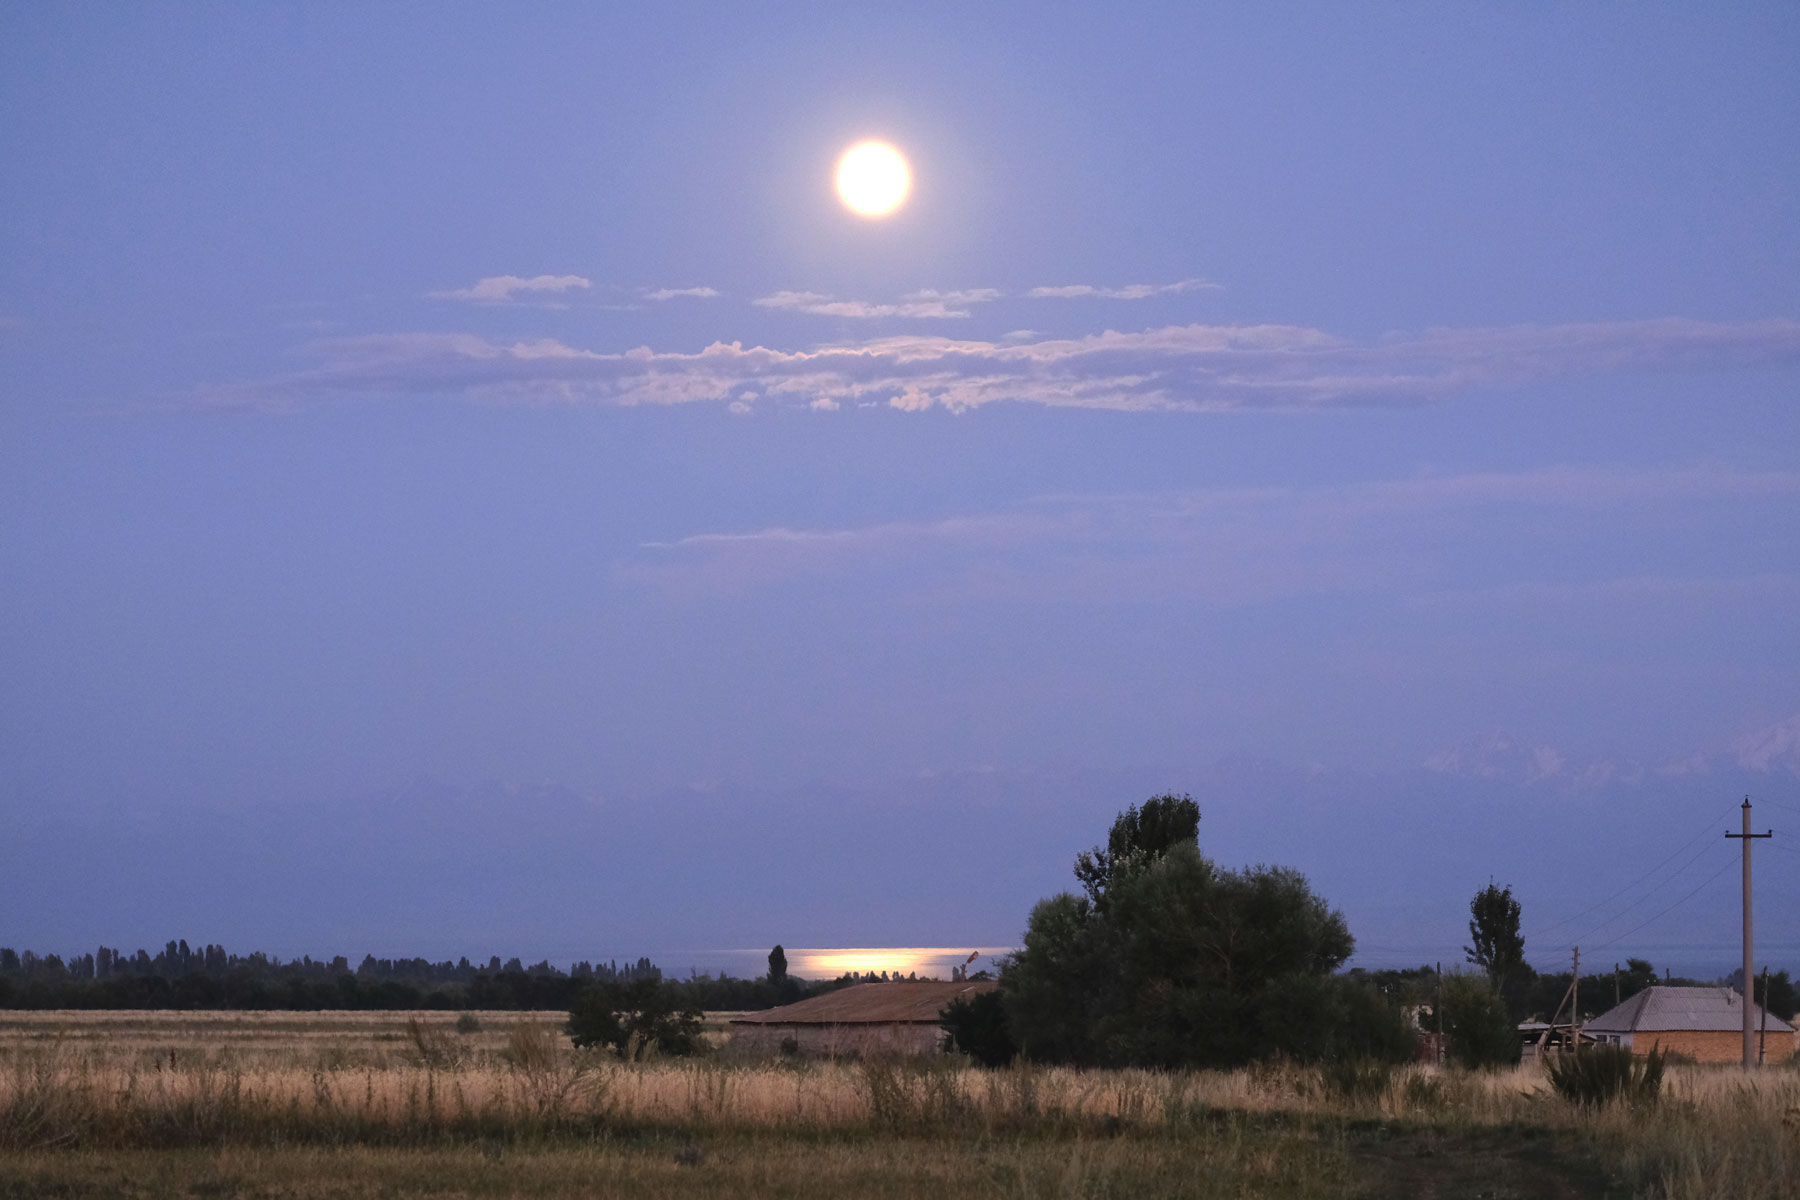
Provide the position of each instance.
(1189, 368)
(504, 289)
(926, 304)
(697, 293)
(1776, 747)
(1131, 291)
(1228, 546)
(954, 296)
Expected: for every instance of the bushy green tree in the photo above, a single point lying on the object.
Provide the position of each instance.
(777, 965)
(1062, 981)
(625, 1015)
(1169, 960)
(1637, 975)
(1482, 1034)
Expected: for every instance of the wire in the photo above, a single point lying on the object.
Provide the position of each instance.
(1682, 849)
(1693, 858)
(1666, 911)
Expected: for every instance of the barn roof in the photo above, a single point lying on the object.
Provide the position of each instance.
(1692, 1009)
(909, 1002)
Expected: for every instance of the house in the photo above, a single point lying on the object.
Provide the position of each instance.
(864, 1019)
(1703, 1023)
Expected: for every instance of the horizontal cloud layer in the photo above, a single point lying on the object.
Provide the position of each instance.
(928, 303)
(1231, 546)
(1131, 291)
(696, 293)
(500, 289)
(1176, 368)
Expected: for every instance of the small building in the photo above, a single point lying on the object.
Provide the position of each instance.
(863, 1019)
(1704, 1023)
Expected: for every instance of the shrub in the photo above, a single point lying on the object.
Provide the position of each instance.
(468, 1023)
(977, 1028)
(1365, 1025)
(628, 1017)
(1481, 1032)
(1595, 1076)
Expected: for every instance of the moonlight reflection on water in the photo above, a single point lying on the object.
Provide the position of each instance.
(927, 962)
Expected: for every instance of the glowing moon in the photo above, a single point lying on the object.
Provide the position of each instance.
(873, 179)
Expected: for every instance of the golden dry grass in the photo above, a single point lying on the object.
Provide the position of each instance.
(80, 1090)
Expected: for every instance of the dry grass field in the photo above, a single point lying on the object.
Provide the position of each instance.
(408, 1104)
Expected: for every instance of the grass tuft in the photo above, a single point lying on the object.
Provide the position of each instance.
(1595, 1076)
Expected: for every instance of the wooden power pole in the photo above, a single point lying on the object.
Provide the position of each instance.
(1749, 942)
(1442, 1046)
(1762, 1036)
(1575, 1003)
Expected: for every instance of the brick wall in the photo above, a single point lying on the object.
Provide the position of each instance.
(1711, 1046)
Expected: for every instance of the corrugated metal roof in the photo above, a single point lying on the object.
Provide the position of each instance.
(909, 1002)
(1695, 1009)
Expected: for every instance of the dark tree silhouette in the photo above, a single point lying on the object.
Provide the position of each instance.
(1138, 838)
(1499, 949)
(1170, 961)
(627, 1016)
(976, 1026)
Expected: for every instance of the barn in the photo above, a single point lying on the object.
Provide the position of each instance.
(864, 1019)
(1703, 1023)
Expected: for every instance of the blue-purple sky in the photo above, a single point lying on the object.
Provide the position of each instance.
(462, 468)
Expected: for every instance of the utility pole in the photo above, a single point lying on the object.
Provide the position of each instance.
(1615, 985)
(1762, 1039)
(1442, 1049)
(1749, 963)
(1575, 1003)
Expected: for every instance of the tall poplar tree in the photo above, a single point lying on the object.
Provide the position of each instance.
(1499, 948)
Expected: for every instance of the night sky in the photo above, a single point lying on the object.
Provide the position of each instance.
(467, 484)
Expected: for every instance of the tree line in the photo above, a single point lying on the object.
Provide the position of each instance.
(208, 977)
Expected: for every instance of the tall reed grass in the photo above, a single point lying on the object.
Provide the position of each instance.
(417, 1082)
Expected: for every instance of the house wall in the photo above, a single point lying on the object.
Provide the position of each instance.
(839, 1041)
(1710, 1046)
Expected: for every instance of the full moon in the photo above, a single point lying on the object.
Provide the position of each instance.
(873, 179)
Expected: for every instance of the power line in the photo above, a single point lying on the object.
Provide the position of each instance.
(1706, 829)
(1644, 899)
(1779, 804)
(1666, 911)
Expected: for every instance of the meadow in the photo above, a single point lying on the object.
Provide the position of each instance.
(499, 1104)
